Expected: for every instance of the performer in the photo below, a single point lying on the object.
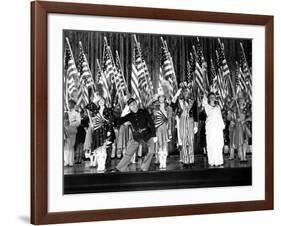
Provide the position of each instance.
(187, 124)
(143, 132)
(71, 122)
(241, 130)
(124, 134)
(162, 122)
(99, 134)
(214, 130)
(231, 123)
(202, 128)
(80, 136)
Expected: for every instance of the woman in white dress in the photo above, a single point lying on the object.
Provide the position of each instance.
(214, 130)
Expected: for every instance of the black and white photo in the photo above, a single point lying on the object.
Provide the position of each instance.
(155, 111)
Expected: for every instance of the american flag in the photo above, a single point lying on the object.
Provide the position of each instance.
(200, 69)
(148, 77)
(140, 70)
(192, 62)
(240, 81)
(120, 83)
(199, 75)
(109, 67)
(244, 82)
(101, 79)
(221, 91)
(222, 62)
(136, 70)
(246, 70)
(83, 96)
(199, 52)
(71, 72)
(213, 72)
(86, 78)
(221, 84)
(167, 67)
(189, 76)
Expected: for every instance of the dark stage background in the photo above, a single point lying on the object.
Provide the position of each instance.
(179, 47)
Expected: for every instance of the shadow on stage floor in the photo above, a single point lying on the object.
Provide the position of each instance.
(82, 179)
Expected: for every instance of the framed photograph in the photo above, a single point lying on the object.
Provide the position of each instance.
(147, 112)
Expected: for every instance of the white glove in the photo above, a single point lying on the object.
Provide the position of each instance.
(154, 139)
(195, 129)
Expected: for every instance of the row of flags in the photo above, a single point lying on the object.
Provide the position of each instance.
(111, 84)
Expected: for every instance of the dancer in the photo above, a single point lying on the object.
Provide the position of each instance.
(80, 136)
(99, 134)
(187, 123)
(214, 130)
(241, 131)
(71, 122)
(143, 133)
(162, 121)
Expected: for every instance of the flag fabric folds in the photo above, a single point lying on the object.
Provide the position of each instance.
(167, 66)
(110, 78)
(86, 80)
(71, 72)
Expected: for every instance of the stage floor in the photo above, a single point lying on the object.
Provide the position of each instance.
(201, 162)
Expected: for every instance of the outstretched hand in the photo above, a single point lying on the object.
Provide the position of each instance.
(178, 92)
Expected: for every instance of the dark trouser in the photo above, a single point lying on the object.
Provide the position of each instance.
(131, 149)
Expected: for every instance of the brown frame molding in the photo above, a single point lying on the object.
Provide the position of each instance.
(39, 108)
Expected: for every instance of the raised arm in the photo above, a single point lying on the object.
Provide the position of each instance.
(205, 104)
(175, 98)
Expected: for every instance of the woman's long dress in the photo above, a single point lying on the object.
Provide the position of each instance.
(214, 133)
(186, 133)
(161, 125)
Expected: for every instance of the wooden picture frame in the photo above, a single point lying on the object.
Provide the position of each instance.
(39, 112)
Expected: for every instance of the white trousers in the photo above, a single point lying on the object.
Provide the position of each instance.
(68, 157)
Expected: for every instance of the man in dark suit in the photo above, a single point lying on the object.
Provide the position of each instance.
(143, 133)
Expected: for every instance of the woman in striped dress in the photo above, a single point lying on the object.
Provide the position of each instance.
(99, 134)
(162, 117)
(185, 106)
